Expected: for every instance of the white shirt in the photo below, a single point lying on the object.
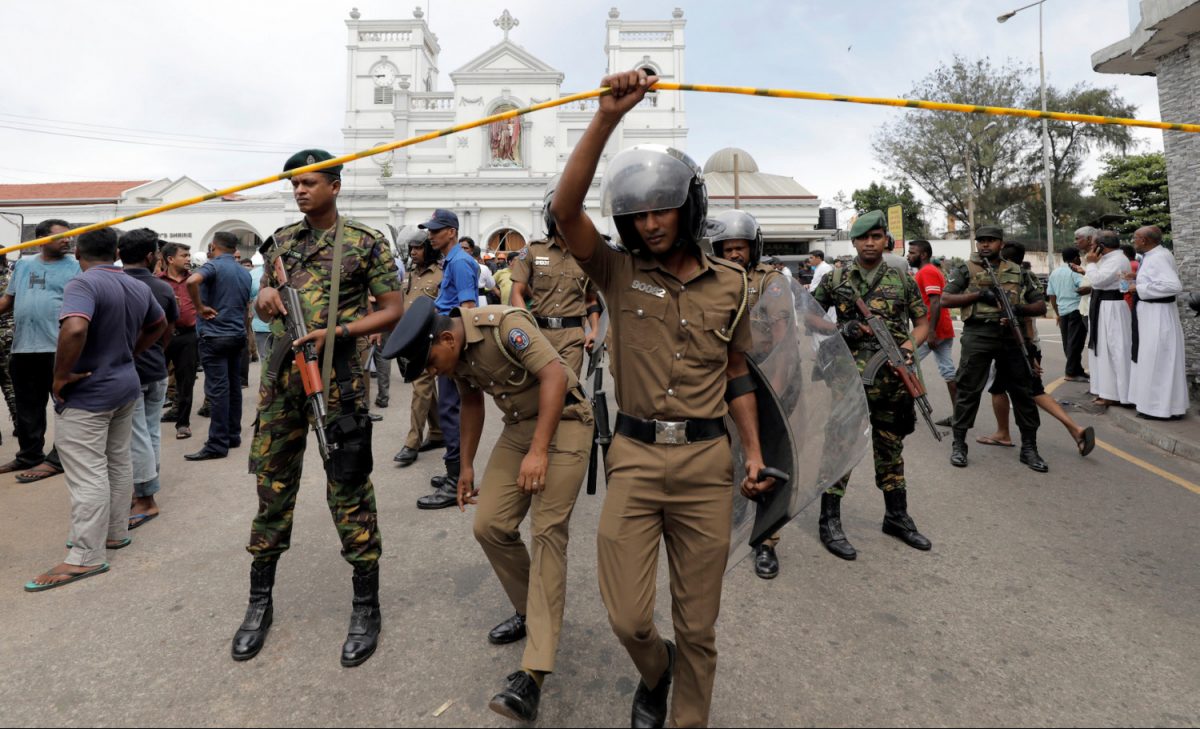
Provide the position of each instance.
(486, 283)
(819, 273)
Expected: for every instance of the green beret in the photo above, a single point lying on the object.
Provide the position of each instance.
(868, 222)
(989, 231)
(307, 157)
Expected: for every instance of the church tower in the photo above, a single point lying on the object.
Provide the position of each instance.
(384, 59)
(657, 46)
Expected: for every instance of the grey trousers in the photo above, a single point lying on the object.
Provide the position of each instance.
(94, 448)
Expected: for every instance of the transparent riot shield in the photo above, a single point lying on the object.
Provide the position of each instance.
(813, 419)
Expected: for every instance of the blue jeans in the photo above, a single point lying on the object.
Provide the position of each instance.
(943, 353)
(222, 361)
(449, 405)
(144, 440)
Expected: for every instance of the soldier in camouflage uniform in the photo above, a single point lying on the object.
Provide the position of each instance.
(6, 341)
(737, 237)
(305, 250)
(893, 295)
(987, 338)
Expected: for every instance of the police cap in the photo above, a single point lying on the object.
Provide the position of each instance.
(868, 222)
(307, 157)
(411, 340)
(989, 231)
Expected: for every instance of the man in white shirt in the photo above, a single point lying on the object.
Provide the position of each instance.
(1111, 336)
(816, 259)
(1158, 382)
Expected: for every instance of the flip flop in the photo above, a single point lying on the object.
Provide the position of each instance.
(119, 545)
(989, 440)
(37, 474)
(140, 519)
(12, 466)
(32, 586)
(1089, 441)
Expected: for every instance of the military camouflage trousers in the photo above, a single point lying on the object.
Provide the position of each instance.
(10, 395)
(281, 434)
(892, 418)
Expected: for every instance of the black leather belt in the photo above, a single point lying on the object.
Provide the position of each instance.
(559, 322)
(670, 432)
(1108, 295)
(1163, 300)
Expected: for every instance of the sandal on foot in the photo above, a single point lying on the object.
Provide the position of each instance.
(183, 433)
(989, 440)
(136, 520)
(122, 544)
(12, 466)
(1088, 442)
(32, 586)
(37, 473)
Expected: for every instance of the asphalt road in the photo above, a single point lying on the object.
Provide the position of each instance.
(1060, 599)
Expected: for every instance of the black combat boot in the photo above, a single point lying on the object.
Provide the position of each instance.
(519, 699)
(1029, 452)
(249, 638)
(650, 704)
(897, 522)
(958, 449)
(365, 620)
(829, 526)
(447, 489)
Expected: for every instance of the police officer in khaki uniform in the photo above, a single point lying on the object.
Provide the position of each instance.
(736, 236)
(546, 277)
(536, 466)
(424, 278)
(680, 335)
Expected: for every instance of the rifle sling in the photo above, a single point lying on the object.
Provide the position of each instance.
(331, 317)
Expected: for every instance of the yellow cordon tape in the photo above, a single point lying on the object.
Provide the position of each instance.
(595, 93)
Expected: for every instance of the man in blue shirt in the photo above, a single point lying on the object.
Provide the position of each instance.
(34, 295)
(459, 289)
(220, 291)
(1062, 290)
(96, 388)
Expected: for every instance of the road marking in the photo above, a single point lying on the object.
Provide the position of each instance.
(1177, 480)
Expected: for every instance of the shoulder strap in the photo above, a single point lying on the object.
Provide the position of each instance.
(331, 318)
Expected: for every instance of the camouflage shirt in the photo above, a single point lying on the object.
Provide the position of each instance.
(888, 292)
(6, 319)
(368, 268)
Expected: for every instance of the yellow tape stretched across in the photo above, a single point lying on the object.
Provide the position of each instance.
(595, 93)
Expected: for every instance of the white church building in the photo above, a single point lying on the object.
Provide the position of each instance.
(493, 177)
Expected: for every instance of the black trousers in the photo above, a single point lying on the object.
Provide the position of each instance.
(33, 379)
(222, 358)
(1074, 329)
(183, 351)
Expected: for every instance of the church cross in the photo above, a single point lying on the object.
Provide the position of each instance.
(506, 22)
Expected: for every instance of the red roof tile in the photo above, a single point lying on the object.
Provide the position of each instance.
(68, 190)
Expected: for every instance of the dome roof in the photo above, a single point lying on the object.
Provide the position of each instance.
(722, 161)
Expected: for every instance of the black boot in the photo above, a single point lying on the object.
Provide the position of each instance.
(1029, 452)
(958, 449)
(897, 522)
(446, 494)
(249, 638)
(829, 526)
(519, 698)
(766, 562)
(510, 631)
(365, 619)
(650, 704)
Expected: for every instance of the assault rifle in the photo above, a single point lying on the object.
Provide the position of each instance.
(890, 354)
(305, 356)
(1006, 307)
(603, 432)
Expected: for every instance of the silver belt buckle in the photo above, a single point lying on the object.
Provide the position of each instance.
(669, 433)
(554, 322)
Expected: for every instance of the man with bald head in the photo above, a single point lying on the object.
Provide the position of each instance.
(1157, 383)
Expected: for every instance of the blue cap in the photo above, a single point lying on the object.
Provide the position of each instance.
(442, 218)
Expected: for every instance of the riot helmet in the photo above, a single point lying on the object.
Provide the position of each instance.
(547, 198)
(410, 236)
(652, 177)
(736, 225)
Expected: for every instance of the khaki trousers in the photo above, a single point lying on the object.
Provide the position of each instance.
(423, 410)
(569, 345)
(535, 580)
(683, 495)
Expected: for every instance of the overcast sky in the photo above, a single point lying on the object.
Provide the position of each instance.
(252, 81)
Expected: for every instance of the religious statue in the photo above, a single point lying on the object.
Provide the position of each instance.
(505, 137)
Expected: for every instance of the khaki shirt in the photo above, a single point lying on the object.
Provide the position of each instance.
(557, 285)
(669, 357)
(507, 369)
(422, 282)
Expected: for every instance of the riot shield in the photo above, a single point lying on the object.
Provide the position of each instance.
(812, 411)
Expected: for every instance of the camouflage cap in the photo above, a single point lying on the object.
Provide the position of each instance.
(989, 231)
(310, 157)
(868, 222)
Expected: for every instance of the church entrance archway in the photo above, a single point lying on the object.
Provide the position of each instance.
(249, 240)
(506, 239)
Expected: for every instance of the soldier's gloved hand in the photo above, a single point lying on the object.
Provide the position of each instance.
(988, 296)
(851, 330)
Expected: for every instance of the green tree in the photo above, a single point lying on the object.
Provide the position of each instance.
(879, 196)
(1137, 185)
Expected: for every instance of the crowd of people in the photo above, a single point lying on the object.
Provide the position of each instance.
(678, 289)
